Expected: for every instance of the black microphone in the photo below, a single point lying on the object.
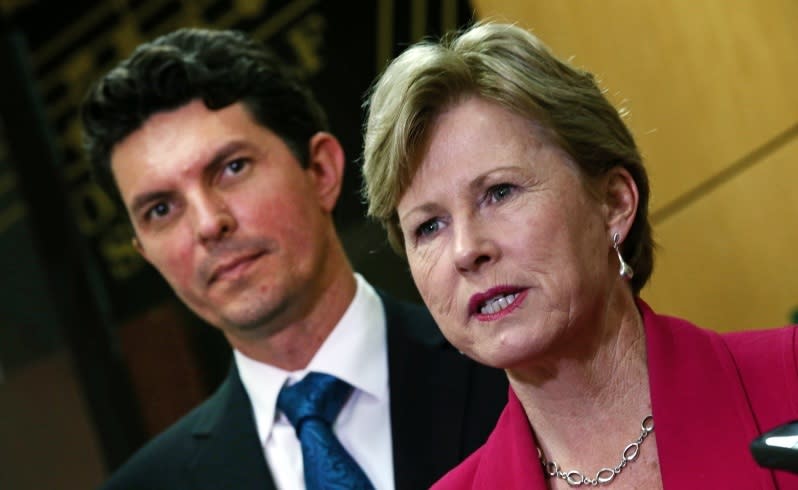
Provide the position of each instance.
(778, 448)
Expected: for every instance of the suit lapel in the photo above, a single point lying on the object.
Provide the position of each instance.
(429, 388)
(228, 452)
(437, 414)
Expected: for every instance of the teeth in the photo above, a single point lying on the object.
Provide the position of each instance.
(497, 304)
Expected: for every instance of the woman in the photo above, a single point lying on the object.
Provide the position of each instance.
(520, 200)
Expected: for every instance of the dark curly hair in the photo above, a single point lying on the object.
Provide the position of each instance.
(219, 67)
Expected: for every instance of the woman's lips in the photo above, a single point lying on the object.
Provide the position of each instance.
(496, 303)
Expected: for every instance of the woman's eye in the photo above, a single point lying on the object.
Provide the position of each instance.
(499, 192)
(427, 228)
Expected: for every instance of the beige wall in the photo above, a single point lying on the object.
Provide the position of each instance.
(707, 84)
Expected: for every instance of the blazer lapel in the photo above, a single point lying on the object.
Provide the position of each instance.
(702, 412)
(429, 385)
(228, 452)
(510, 459)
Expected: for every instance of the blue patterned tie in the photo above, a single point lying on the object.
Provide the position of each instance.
(312, 405)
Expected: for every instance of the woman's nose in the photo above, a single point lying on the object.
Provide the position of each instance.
(474, 246)
(213, 218)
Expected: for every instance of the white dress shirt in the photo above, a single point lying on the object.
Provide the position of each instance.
(356, 352)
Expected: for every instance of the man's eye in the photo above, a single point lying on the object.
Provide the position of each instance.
(158, 211)
(236, 166)
(499, 192)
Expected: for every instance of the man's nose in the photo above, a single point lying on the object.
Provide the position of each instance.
(213, 219)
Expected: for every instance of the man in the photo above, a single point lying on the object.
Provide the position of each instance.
(222, 160)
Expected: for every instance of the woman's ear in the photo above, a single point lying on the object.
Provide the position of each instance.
(620, 201)
(326, 167)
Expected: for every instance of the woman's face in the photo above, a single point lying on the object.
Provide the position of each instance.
(507, 247)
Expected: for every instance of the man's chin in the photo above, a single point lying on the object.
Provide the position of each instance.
(254, 322)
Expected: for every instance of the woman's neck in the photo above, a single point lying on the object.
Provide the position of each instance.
(585, 409)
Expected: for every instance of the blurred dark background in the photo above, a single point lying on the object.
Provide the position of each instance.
(96, 354)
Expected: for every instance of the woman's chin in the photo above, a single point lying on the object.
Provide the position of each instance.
(501, 358)
(510, 352)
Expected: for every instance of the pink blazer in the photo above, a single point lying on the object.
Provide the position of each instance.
(711, 394)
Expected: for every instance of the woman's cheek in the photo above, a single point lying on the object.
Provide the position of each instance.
(434, 283)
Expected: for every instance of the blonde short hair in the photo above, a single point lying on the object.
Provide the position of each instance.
(507, 65)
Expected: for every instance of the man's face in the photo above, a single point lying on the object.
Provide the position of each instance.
(226, 213)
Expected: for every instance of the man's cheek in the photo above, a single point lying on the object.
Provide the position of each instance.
(178, 270)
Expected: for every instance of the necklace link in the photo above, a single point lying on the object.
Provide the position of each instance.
(604, 476)
(608, 473)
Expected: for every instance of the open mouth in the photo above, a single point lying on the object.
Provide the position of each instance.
(498, 303)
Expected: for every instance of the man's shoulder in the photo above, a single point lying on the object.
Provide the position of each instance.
(400, 306)
(411, 320)
(162, 462)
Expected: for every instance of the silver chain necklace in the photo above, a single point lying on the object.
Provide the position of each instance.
(605, 475)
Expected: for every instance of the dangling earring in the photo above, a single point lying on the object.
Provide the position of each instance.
(626, 270)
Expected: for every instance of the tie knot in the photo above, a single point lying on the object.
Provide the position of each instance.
(317, 395)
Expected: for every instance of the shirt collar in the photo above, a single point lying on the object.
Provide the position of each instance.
(355, 351)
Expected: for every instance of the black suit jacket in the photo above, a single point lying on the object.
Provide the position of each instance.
(443, 406)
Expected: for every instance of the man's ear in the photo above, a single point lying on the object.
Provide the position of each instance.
(139, 247)
(326, 167)
(620, 200)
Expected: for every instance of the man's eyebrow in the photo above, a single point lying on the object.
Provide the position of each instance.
(143, 200)
(224, 152)
(218, 158)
